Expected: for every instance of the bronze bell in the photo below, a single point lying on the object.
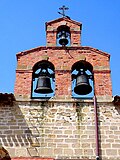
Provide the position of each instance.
(43, 84)
(63, 39)
(82, 84)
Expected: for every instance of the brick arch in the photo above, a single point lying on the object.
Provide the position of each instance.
(82, 79)
(65, 27)
(42, 63)
(82, 63)
(43, 74)
(63, 30)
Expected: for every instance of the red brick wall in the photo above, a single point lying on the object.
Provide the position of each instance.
(75, 29)
(75, 38)
(63, 83)
(63, 60)
(51, 38)
(102, 83)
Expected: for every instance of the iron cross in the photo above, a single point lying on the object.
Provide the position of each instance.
(63, 8)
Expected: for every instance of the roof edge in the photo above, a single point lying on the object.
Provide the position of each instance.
(116, 100)
(63, 18)
(7, 98)
(62, 48)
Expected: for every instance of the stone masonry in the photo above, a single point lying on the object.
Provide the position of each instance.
(59, 129)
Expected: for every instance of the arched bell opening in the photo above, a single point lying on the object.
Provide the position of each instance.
(43, 80)
(63, 36)
(82, 80)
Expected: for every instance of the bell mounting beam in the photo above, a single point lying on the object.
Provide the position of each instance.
(63, 8)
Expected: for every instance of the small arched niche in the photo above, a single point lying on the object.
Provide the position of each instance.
(43, 80)
(63, 36)
(82, 79)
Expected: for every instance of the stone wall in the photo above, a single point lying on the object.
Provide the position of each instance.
(59, 129)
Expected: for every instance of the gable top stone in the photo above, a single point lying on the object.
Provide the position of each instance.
(63, 19)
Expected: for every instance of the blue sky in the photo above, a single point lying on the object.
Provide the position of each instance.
(22, 27)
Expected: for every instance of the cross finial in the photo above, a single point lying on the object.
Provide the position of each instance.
(63, 8)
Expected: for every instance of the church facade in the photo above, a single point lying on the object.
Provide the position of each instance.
(62, 106)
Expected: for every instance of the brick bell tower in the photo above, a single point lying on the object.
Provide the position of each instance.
(63, 60)
(55, 115)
